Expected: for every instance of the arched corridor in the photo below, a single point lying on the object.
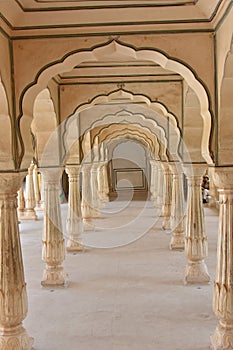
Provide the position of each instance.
(111, 115)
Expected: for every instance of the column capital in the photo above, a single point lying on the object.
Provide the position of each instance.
(165, 167)
(52, 175)
(223, 178)
(73, 170)
(176, 168)
(194, 170)
(11, 182)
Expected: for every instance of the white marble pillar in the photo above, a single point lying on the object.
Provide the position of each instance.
(196, 247)
(21, 203)
(101, 185)
(166, 225)
(160, 194)
(13, 296)
(94, 190)
(152, 180)
(222, 339)
(74, 225)
(53, 251)
(39, 206)
(177, 207)
(105, 181)
(86, 204)
(29, 213)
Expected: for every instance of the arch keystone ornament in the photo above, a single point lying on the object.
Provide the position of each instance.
(13, 295)
(222, 339)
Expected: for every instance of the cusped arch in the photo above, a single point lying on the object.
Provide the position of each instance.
(121, 52)
(112, 143)
(114, 130)
(44, 122)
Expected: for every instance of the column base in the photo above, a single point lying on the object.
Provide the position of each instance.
(106, 198)
(15, 338)
(54, 276)
(74, 246)
(39, 207)
(177, 242)
(29, 215)
(166, 224)
(222, 339)
(20, 214)
(88, 225)
(196, 272)
(95, 213)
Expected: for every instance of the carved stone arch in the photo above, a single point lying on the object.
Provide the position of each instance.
(126, 137)
(112, 130)
(131, 133)
(126, 116)
(45, 126)
(119, 51)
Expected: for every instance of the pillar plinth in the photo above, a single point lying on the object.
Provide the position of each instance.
(53, 241)
(196, 247)
(222, 339)
(13, 296)
(29, 213)
(166, 225)
(86, 204)
(74, 225)
(177, 208)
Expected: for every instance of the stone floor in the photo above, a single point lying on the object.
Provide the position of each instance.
(125, 291)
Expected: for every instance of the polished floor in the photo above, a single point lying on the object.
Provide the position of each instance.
(125, 291)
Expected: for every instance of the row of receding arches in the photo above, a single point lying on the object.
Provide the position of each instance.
(131, 116)
(196, 100)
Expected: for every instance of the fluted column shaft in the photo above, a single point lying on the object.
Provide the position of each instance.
(196, 247)
(52, 241)
(152, 180)
(21, 203)
(167, 197)
(37, 189)
(74, 226)
(161, 185)
(105, 182)
(30, 200)
(101, 183)
(94, 190)
(86, 204)
(13, 296)
(177, 207)
(222, 339)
